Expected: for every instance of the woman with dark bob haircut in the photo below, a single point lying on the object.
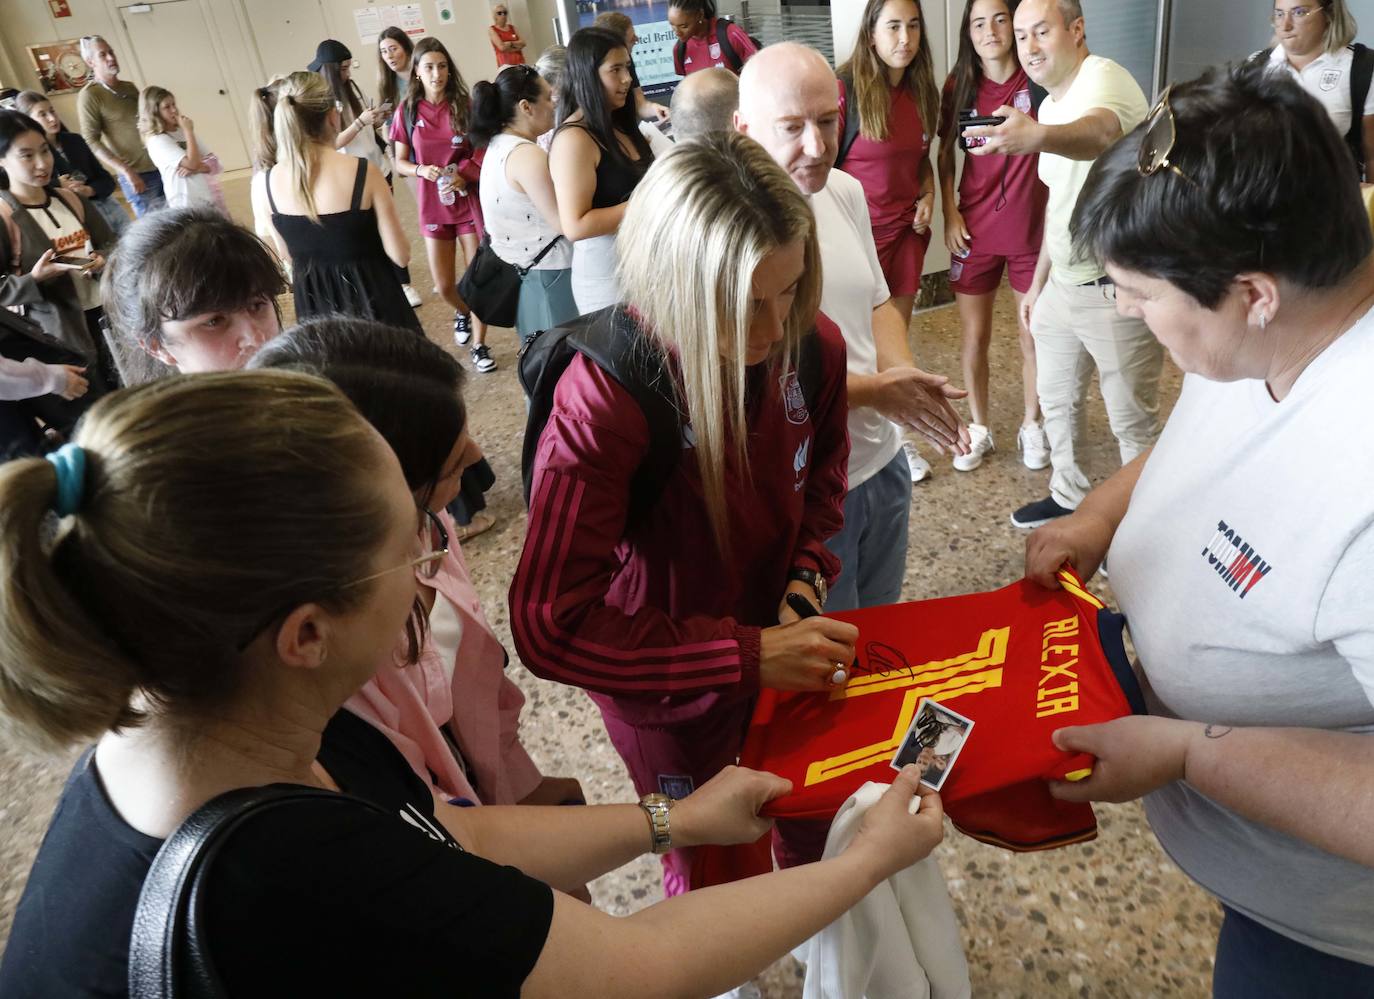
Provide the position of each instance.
(1242, 545)
(188, 290)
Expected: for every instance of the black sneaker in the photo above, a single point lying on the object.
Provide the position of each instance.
(462, 328)
(482, 359)
(1040, 512)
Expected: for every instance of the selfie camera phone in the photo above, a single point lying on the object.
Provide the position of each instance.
(970, 118)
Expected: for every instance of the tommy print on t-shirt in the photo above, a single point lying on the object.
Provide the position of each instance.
(1235, 560)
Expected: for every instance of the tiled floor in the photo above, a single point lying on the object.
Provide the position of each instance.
(1111, 918)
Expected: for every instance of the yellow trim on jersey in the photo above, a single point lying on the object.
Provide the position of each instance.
(941, 680)
(1070, 582)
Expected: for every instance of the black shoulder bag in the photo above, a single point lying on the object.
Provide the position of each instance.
(169, 956)
(491, 287)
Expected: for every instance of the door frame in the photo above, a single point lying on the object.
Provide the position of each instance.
(125, 46)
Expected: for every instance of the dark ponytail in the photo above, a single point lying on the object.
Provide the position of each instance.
(494, 103)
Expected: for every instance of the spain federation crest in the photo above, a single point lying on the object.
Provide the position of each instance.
(793, 399)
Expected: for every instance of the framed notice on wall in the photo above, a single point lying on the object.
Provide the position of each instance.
(371, 21)
(59, 66)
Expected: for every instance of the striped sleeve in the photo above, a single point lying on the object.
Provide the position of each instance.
(563, 627)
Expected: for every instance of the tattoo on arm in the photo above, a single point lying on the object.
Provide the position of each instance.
(1216, 731)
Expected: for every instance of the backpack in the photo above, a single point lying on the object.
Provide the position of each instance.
(611, 339)
(1361, 75)
(726, 49)
(11, 228)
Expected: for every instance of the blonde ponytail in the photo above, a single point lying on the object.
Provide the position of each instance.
(299, 121)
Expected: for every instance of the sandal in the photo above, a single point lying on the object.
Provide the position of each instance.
(481, 523)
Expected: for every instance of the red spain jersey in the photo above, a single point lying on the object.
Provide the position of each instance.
(1021, 662)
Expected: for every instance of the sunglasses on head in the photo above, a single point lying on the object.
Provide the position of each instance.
(1157, 144)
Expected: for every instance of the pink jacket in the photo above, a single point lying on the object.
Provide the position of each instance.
(460, 682)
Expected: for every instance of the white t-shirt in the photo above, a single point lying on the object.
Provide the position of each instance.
(1327, 78)
(1245, 566)
(853, 287)
(69, 238)
(167, 151)
(1100, 83)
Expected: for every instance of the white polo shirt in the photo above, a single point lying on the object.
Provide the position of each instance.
(852, 287)
(1327, 78)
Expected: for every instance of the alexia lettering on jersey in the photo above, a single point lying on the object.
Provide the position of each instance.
(1235, 560)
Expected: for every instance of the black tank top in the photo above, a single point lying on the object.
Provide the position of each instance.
(616, 175)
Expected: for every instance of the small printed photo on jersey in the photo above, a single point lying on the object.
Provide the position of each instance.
(933, 742)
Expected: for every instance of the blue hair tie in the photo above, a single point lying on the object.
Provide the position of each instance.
(70, 462)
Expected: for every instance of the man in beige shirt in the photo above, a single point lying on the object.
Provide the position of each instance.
(108, 110)
(1071, 306)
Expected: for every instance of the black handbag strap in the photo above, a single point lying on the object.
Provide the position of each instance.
(522, 271)
(169, 957)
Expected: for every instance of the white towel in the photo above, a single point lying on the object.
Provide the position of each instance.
(901, 941)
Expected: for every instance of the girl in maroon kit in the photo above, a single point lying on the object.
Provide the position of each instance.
(675, 620)
(889, 84)
(429, 131)
(996, 221)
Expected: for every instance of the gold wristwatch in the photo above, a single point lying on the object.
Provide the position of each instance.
(656, 807)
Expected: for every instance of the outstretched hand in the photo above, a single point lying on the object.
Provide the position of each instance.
(725, 810)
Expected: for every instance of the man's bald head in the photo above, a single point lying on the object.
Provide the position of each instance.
(789, 102)
(705, 102)
(779, 68)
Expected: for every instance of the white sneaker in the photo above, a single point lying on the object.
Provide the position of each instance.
(1033, 445)
(980, 444)
(412, 296)
(920, 468)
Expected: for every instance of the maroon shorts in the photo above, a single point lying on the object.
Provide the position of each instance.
(981, 273)
(902, 256)
(449, 231)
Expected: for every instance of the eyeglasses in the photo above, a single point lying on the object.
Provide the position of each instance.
(434, 546)
(1158, 141)
(1298, 14)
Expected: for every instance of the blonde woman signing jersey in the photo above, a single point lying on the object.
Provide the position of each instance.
(671, 616)
(188, 168)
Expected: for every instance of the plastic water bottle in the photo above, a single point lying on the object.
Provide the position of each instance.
(447, 194)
